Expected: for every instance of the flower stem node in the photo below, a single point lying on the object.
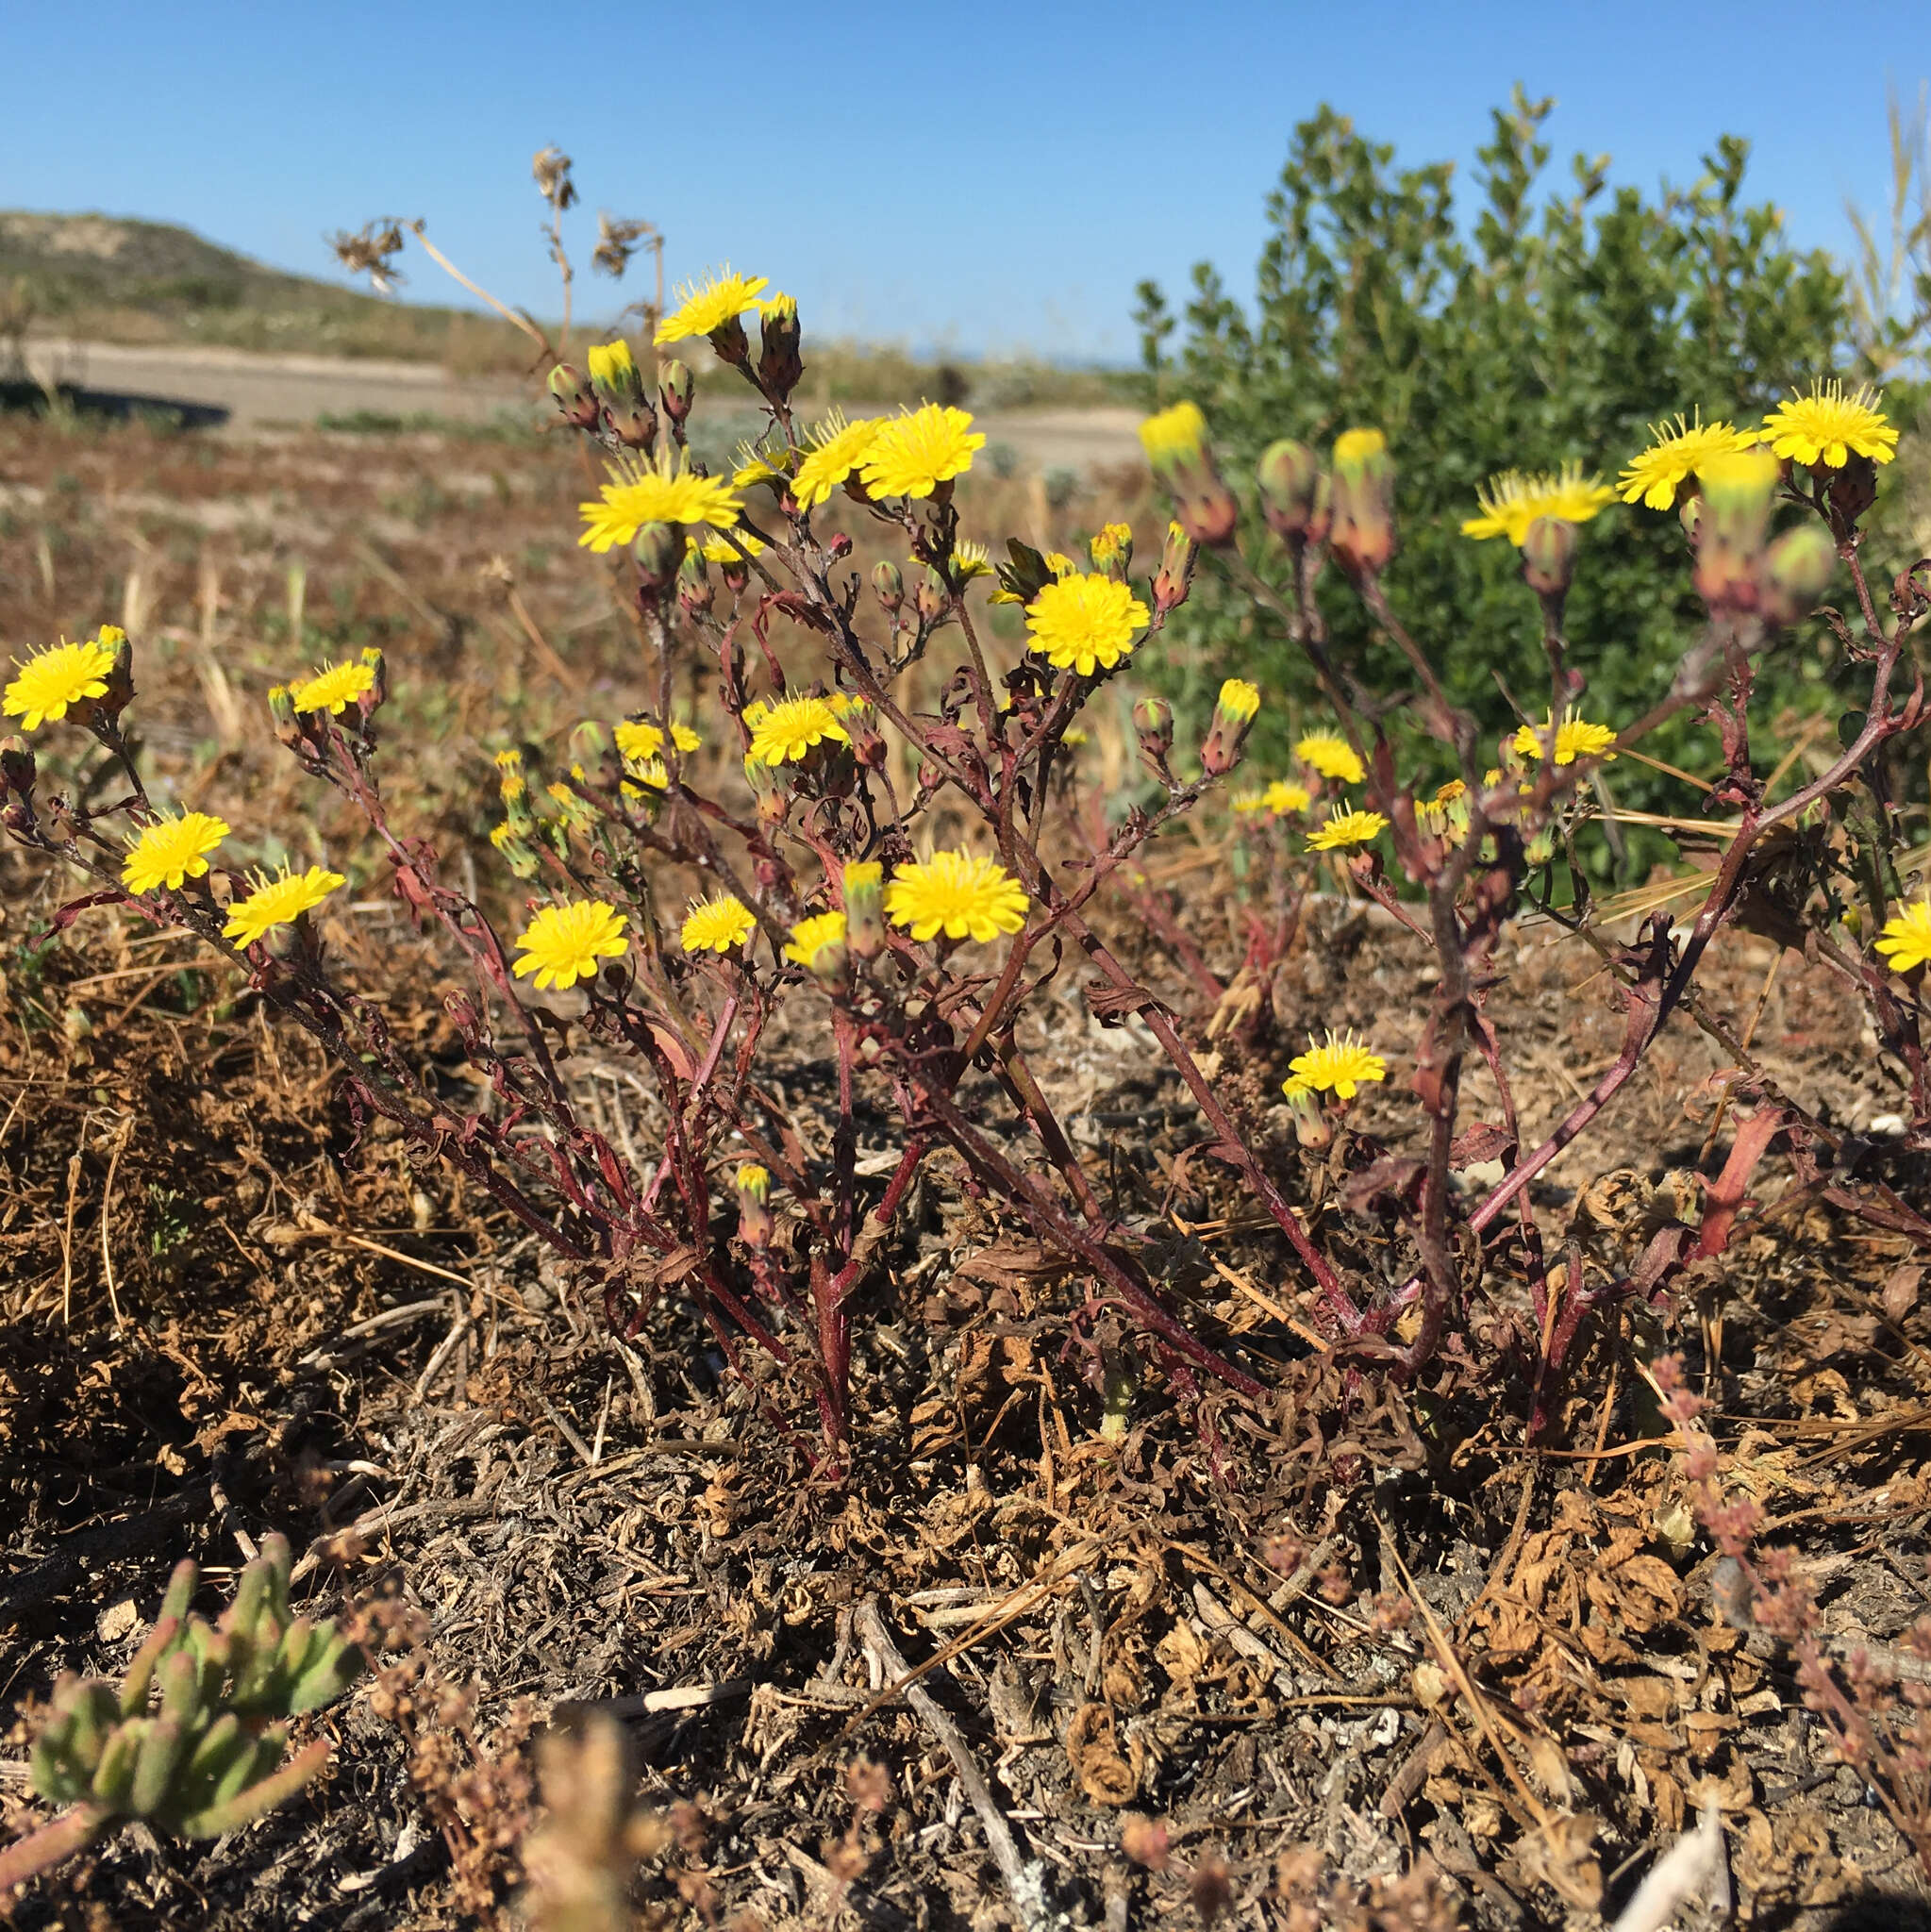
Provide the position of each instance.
(1797, 570)
(1362, 534)
(1176, 578)
(1234, 713)
(575, 398)
(1177, 451)
(1295, 496)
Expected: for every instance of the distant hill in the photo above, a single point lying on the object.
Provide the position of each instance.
(106, 278)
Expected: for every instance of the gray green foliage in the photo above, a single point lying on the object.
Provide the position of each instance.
(1554, 327)
(195, 1737)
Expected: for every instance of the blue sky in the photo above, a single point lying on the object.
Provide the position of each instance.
(992, 177)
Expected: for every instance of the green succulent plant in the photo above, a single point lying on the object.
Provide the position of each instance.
(195, 1737)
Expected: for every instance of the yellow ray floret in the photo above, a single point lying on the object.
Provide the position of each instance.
(334, 687)
(1576, 737)
(64, 675)
(911, 455)
(1512, 501)
(1906, 941)
(1339, 1065)
(811, 938)
(1349, 827)
(837, 448)
(700, 309)
(1332, 755)
(279, 901)
(1828, 427)
(628, 502)
(783, 733)
(956, 894)
(638, 738)
(1175, 435)
(565, 944)
(715, 925)
(1085, 622)
(169, 852)
(1676, 453)
(1238, 700)
(1281, 798)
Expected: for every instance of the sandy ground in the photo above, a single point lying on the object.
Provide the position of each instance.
(258, 391)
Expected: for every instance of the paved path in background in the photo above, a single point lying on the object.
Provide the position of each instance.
(258, 391)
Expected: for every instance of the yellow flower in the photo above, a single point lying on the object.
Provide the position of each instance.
(1281, 798)
(1339, 1064)
(1358, 446)
(1576, 737)
(753, 1180)
(1512, 501)
(722, 299)
(1347, 827)
(610, 362)
(1906, 941)
(1676, 454)
(1173, 435)
(564, 943)
(757, 466)
(1332, 757)
(1445, 811)
(171, 851)
(334, 687)
(1240, 700)
(715, 925)
(278, 902)
(785, 731)
(1085, 622)
(1828, 426)
(638, 738)
(838, 448)
(970, 560)
(952, 893)
(1113, 541)
(650, 774)
(629, 503)
(810, 937)
(61, 675)
(725, 551)
(911, 455)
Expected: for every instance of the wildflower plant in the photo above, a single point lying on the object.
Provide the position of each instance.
(911, 876)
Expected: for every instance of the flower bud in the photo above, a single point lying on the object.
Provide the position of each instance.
(658, 549)
(818, 944)
(1797, 570)
(930, 597)
(771, 788)
(521, 856)
(779, 365)
(1548, 558)
(676, 388)
(1363, 533)
(513, 789)
(1176, 450)
(889, 586)
(694, 594)
(618, 385)
(861, 725)
(1111, 551)
(1733, 527)
(754, 1215)
(376, 695)
(1153, 718)
(1294, 491)
(281, 715)
(729, 342)
(1853, 490)
(1234, 713)
(1176, 576)
(864, 881)
(575, 397)
(120, 678)
(18, 775)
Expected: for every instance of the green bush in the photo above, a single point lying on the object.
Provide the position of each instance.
(1554, 327)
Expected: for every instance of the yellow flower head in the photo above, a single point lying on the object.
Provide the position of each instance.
(1349, 827)
(758, 466)
(1281, 798)
(629, 503)
(970, 560)
(958, 895)
(169, 851)
(1358, 446)
(565, 944)
(1085, 622)
(610, 363)
(1240, 700)
(1906, 941)
(1678, 451)
(1446, 811)
(334, 687)
(862, 875)
(1512, 501)
(278, 902)
(753, 1179)
(1332, 755)
(701, 310)
(730, 552)
(1576, 737)
(786, 731)
(911, 455)
(1339, 1065)
(1173, 436)
(63, 674)
(811, 938)
(837, 448)
(1828, 426)
(1112, 543)
(638, 738)
(715, 925)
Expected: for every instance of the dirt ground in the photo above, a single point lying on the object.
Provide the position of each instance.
(1193, 1663)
